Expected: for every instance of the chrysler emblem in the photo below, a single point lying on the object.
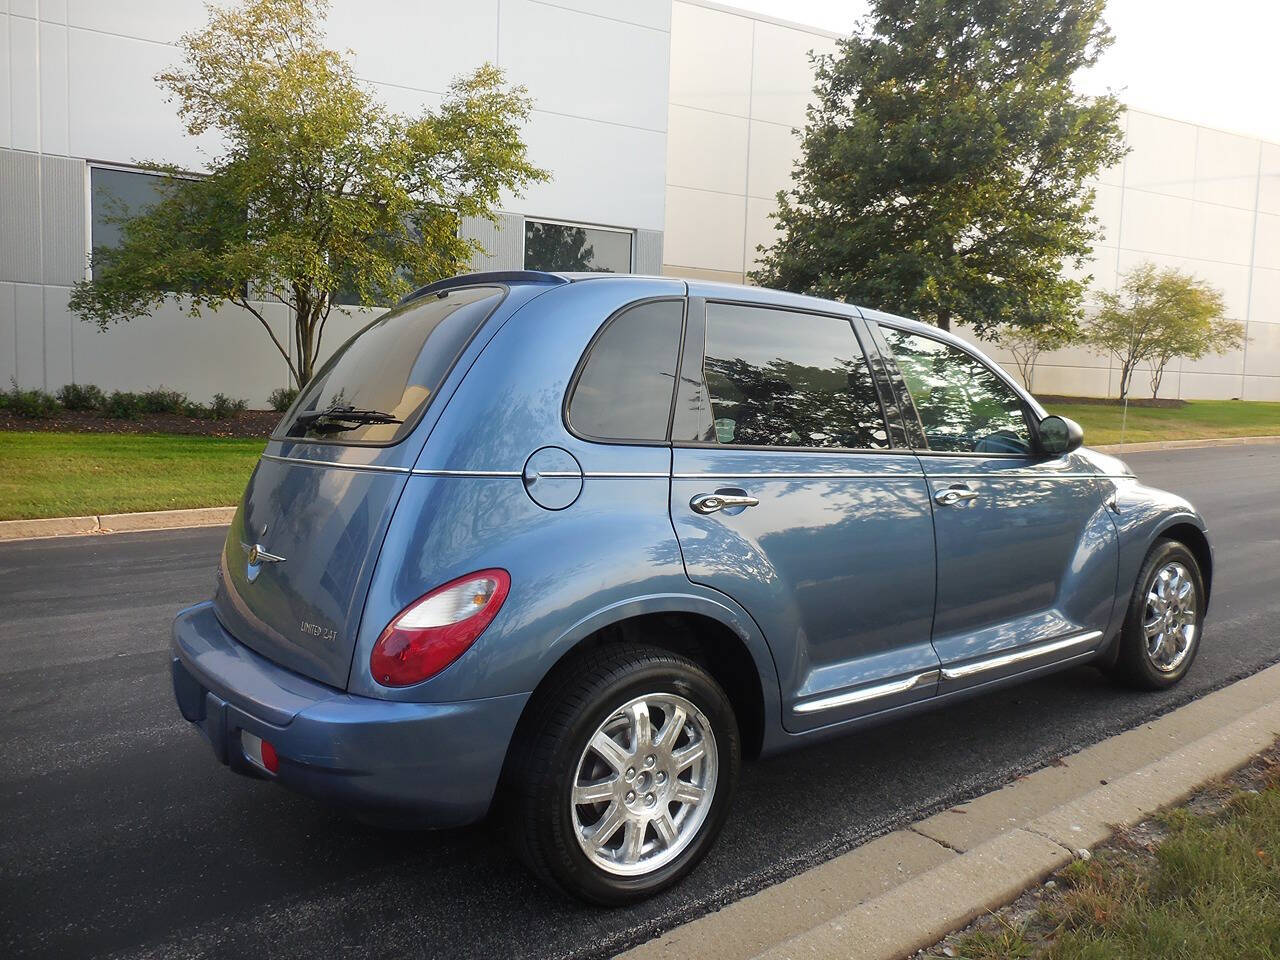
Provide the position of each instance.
(258, 555)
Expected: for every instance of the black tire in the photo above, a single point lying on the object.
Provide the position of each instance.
(543, 766)
(1133, 664)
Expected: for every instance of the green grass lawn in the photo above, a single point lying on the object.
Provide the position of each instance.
(80, 474)
(1205, 887)
(1198, 420)
(47, 474)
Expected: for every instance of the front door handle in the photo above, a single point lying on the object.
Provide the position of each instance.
(711, 502)
(953, 495)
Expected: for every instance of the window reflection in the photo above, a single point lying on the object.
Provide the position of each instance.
(783, 379)
(562, 246)
(624, 391)
(963, 405)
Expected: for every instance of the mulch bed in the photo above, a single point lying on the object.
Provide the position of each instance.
(251, 423)
(1050, 398)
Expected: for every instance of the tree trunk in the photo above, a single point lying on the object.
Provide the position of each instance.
(1126, 373)
(944, 319)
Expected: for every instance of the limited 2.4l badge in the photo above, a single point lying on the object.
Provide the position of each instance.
(327, 634)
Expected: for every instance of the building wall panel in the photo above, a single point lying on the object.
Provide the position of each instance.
(391, 45)
(1265, 296)
(648, 252)
(28, 314)
(711, 54)
(6, 92)
(602, 173)
(20, 216)
(503, 242)
(705, 230)
(224, 352)
(24, 83)
(707, 150)
(54, 122)
(1226, 168)
(62, 214)
(8, 335)
(59, 326)
(586, 66)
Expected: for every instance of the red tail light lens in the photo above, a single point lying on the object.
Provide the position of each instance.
(437, 629)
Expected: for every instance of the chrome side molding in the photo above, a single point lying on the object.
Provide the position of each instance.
(907, 684)
(868, 693)
(1017, 656)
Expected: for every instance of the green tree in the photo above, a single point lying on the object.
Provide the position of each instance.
(318, 189)
(1025, 343)
(944, 164)
(1157, 315)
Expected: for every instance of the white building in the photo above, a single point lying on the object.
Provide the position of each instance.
(667, 126)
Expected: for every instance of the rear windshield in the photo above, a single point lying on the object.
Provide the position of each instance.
(374, 389)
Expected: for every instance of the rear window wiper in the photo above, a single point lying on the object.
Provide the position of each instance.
(342, 418)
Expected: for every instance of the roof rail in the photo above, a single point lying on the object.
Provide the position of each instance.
(486, 276)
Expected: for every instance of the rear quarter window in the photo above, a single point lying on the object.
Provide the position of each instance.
(392, 368)
(625, 386)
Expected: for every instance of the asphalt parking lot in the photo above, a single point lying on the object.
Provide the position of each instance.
(123, 836)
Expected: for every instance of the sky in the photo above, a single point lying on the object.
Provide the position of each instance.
(1212, 62)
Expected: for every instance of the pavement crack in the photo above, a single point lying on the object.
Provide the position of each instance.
(1056, 842)
(941, 843)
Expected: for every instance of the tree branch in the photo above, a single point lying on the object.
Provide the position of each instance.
(243, 302)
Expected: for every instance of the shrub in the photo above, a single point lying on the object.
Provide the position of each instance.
(36, 404)
(224, 408)
(282, 398)
(161, 400)
(81, 396)
(122, 405)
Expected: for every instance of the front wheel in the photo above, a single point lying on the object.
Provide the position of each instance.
(623, 779)
(1161, 632)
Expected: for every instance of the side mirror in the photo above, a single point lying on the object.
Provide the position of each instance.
(1059, 435)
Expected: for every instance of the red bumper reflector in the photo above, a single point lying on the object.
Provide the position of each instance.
(269, 758)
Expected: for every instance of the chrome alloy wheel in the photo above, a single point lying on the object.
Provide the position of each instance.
(644, 784)
(1169, 620)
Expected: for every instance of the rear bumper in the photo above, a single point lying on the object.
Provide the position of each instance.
(419, 764)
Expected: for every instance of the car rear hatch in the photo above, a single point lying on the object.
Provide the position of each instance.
(301, 550)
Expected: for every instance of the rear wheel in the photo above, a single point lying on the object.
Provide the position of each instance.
(622, 779)
(1161, 632)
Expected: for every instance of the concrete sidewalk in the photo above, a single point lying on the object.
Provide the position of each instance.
(115, 523)
(908, 889)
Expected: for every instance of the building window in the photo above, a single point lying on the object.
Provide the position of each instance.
(568, 247)
(117, 194)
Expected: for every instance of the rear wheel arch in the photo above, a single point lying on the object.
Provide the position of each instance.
(707, 641)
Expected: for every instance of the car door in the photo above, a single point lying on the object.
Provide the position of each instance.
(1026, 553)
(788, 495)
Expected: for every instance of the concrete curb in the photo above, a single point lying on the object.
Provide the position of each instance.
(115, 523)
(908, 889)
(1182, 444)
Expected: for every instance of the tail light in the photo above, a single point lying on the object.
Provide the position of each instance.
(437, 629)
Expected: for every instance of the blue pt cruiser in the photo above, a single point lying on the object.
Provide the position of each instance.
(568, 547)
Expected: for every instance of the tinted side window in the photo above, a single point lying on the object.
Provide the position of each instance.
(624, 390)
(783, 379)
(963, 405)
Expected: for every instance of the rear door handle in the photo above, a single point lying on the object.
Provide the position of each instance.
(953, 495)
(711, 502)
